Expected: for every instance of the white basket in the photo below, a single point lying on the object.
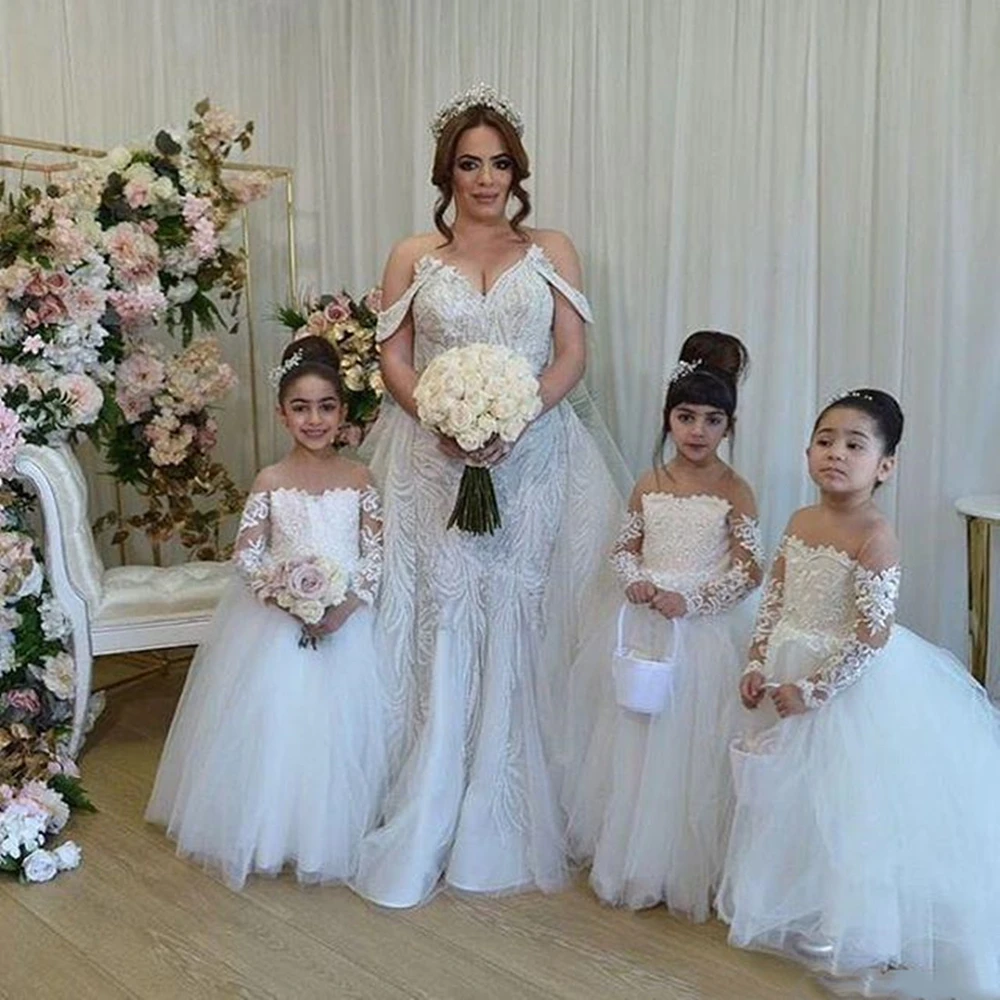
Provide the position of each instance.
(641, 685)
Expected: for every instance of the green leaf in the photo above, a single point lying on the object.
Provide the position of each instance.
(73, 792)
(166, 144)
(202, 107)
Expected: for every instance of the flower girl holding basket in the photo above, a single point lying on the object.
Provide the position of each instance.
(648, 788)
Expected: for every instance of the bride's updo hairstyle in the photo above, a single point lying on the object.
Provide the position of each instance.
(312, 355)
(444, 162)
(884, 411)
(710, 367)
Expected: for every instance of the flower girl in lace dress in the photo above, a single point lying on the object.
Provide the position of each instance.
(275, 753)
(649, 797)
(866, 839)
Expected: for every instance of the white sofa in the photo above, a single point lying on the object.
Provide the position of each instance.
(125, 609)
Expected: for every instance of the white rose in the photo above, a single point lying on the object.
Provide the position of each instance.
(40, 866)
(60, 675)
(460, 417)
(68, 855)
(163, 189)
(505, 407)
(511, 430)
(119, 158)
(470, 441)
(183, 291)
(309, 611)
(141, 172)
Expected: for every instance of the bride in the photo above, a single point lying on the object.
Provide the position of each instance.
(482, 628)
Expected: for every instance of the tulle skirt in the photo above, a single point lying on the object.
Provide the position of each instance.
(649, 797)
(867, 832)
(276, 754)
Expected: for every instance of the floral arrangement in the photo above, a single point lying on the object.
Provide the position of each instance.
(304, 587)
(161, 210)
(475, 394)
(350, 326)
(160, 440)
(58, 339)
(38, 781)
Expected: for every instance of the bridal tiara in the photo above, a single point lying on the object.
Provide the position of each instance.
(844, 394)
(681, 370)
(276, 374)
(480, 95)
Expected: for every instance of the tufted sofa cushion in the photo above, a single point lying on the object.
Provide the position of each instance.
(149, 592)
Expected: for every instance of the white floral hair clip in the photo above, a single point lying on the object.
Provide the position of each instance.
(276, 374)
(480, 95)
(682, 369)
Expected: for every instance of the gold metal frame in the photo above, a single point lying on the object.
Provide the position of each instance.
(275, 173)
(977, 535)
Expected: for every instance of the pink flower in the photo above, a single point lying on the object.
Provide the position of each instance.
(250, 188)
(36, 286)
(57, 282)
(14, 280)
(336, 312)
(50, 310)
(134, 255)
(140, 305)
(194, 208)
(24, 700)
(33, 344)
(85, 398)
(69, 243)
(137, 192)
(203, 238)
(317, 324)
(84, 305)
(207, 436)
(10, 439)
(31, 320)
(307, 582)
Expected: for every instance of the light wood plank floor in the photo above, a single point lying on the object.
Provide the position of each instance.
(136, 921)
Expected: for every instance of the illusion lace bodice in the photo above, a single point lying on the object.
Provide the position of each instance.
(837, 612)
(449, 312)
(342, 525)
(696, 546)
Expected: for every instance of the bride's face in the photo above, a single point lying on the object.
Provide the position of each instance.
(482, 175)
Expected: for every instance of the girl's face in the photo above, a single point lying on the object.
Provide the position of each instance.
(482, 175)
(698, 430)
(846, 454)
(312, 412)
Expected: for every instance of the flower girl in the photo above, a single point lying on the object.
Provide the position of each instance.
(649, 796)
(866, 839)
(275, 754)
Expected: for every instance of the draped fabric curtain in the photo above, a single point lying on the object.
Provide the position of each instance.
(820, 177)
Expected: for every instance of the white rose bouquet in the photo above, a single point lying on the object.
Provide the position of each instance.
(304, 587)
(475, 394)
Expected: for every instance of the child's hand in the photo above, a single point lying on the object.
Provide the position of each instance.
(788, 701)
(669, 604)
(641, 592)
(752, 688)
(336, 616)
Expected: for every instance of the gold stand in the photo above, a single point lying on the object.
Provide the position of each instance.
(980, 514)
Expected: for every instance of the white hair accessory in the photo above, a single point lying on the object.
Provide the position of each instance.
(682, 369)
(480, 95)
(846, 394)
(276, 374)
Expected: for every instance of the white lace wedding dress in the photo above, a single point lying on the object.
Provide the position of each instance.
(649, 798)
(867, 831)
(482, 628)
(276, 754)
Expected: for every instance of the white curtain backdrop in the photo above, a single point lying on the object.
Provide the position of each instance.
(820, 177)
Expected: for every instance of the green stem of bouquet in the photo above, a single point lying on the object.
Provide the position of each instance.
(476, 509)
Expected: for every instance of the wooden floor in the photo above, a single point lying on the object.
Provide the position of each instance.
(136, 921)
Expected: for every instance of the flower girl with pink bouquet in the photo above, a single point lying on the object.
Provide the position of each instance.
(275, 755)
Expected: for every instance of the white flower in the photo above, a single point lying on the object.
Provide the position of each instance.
(119, 158)
(40, 866)
(8, 660)
(68, 855)
(55, 624)
(60, 675)
(22, 827)
(308, 611)
(183, 291)
(48, 801)
(142, 173)
(163, 189)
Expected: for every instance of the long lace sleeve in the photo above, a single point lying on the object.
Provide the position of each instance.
(368, 574)
(876, 588)
(626, 556)
(743, 576)
(251, 556)
(768, 614)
